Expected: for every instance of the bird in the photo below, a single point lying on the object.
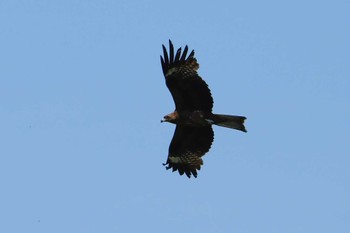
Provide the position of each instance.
(193, 115)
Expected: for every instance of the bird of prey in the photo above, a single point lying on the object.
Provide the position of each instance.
(193, 115)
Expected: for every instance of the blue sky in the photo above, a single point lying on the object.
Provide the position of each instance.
(82, 95)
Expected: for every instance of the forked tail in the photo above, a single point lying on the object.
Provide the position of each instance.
(233, 122)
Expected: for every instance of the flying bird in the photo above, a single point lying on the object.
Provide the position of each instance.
(193, 115)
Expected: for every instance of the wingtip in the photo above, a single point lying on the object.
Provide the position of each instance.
(191, 54)
(183, 57)
(171, 52)
(164, 50)
(178, 54)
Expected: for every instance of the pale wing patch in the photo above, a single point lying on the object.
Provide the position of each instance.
(188, 158)
(171, 71)
(189, 68)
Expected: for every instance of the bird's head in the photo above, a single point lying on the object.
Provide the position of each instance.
(172, 118)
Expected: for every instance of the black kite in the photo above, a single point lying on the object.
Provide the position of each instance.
(193, 112)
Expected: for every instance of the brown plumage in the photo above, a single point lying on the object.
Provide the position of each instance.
(193, 112)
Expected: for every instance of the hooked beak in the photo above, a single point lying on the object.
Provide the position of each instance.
(165, 119)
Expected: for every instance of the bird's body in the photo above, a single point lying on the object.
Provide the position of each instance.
(195, 118)
(193, 112)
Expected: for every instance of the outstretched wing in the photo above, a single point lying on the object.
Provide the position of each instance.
(187, 147)
(188, 89)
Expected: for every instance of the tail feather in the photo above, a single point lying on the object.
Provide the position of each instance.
(233, 122)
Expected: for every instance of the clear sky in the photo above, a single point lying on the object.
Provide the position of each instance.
(82, 95)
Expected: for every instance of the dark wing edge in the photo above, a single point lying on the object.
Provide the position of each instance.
(187, 147)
